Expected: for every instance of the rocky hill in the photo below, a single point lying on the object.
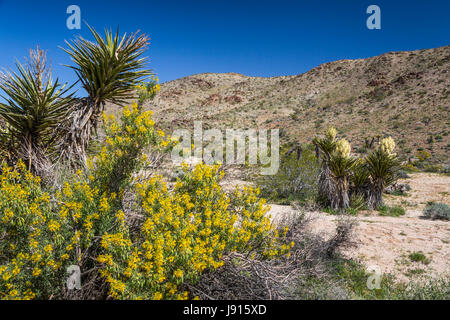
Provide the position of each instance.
(403, 94)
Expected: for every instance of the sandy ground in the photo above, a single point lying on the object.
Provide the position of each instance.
(384, 243)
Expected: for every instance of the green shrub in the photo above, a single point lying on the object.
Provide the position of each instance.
(296, 179)
(437, 211)
(418, 257)
(394, 211)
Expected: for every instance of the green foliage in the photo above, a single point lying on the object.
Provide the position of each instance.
(34, 107)
(341, 166)
(354, 277)
(296, 179)
(109, 68)
(418, 257)
(382, 167)
(33, 239)
(437, 211)
(148, 90)
(394, 211)
(327, 144)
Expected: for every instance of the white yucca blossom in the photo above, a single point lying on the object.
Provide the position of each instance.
(331, 133)
(343, 148)
(388, 145)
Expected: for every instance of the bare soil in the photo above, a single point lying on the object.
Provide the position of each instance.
(384, 243)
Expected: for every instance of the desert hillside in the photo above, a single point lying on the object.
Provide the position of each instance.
(403, 94)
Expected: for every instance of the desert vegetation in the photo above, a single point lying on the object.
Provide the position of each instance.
(81, 188)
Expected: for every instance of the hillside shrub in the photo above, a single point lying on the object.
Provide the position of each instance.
(437, 211)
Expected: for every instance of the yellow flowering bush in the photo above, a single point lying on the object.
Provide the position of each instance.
(124, 148)
(148, 90)
(33, 237)
(185, 232)
(131, 240)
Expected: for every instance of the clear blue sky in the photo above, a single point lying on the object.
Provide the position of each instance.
(256, 38)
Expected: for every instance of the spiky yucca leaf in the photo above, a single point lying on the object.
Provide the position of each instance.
(341, 166)
(326, 145)
(29, 108)
(110, 67)
(34, 107)
(360, 174)
(382, 166)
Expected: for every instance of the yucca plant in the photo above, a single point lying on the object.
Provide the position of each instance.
(383, 167)
(34, 107)
(326, 146)
(359, 179)
(341, 164)
(108, 68)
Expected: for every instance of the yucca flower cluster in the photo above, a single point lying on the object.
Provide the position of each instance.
(331, 133)
(343, 148)
(387, 145)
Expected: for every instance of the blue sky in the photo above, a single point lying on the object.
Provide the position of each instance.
(256, 38)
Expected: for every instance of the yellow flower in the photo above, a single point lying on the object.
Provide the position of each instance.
(178, 273)
(53, 226)
(157, 296)
(36, 272)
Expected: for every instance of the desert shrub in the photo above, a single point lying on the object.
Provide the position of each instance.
(403, 174)
(429, 167)
(184, 233)
(394, 211)
(48, 231)
(303, 274)
(437, 211)
(33, 237)
(131, 237)
(418, 257)
(296, 179)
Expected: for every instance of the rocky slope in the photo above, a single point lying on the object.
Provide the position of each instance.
(403, 94)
